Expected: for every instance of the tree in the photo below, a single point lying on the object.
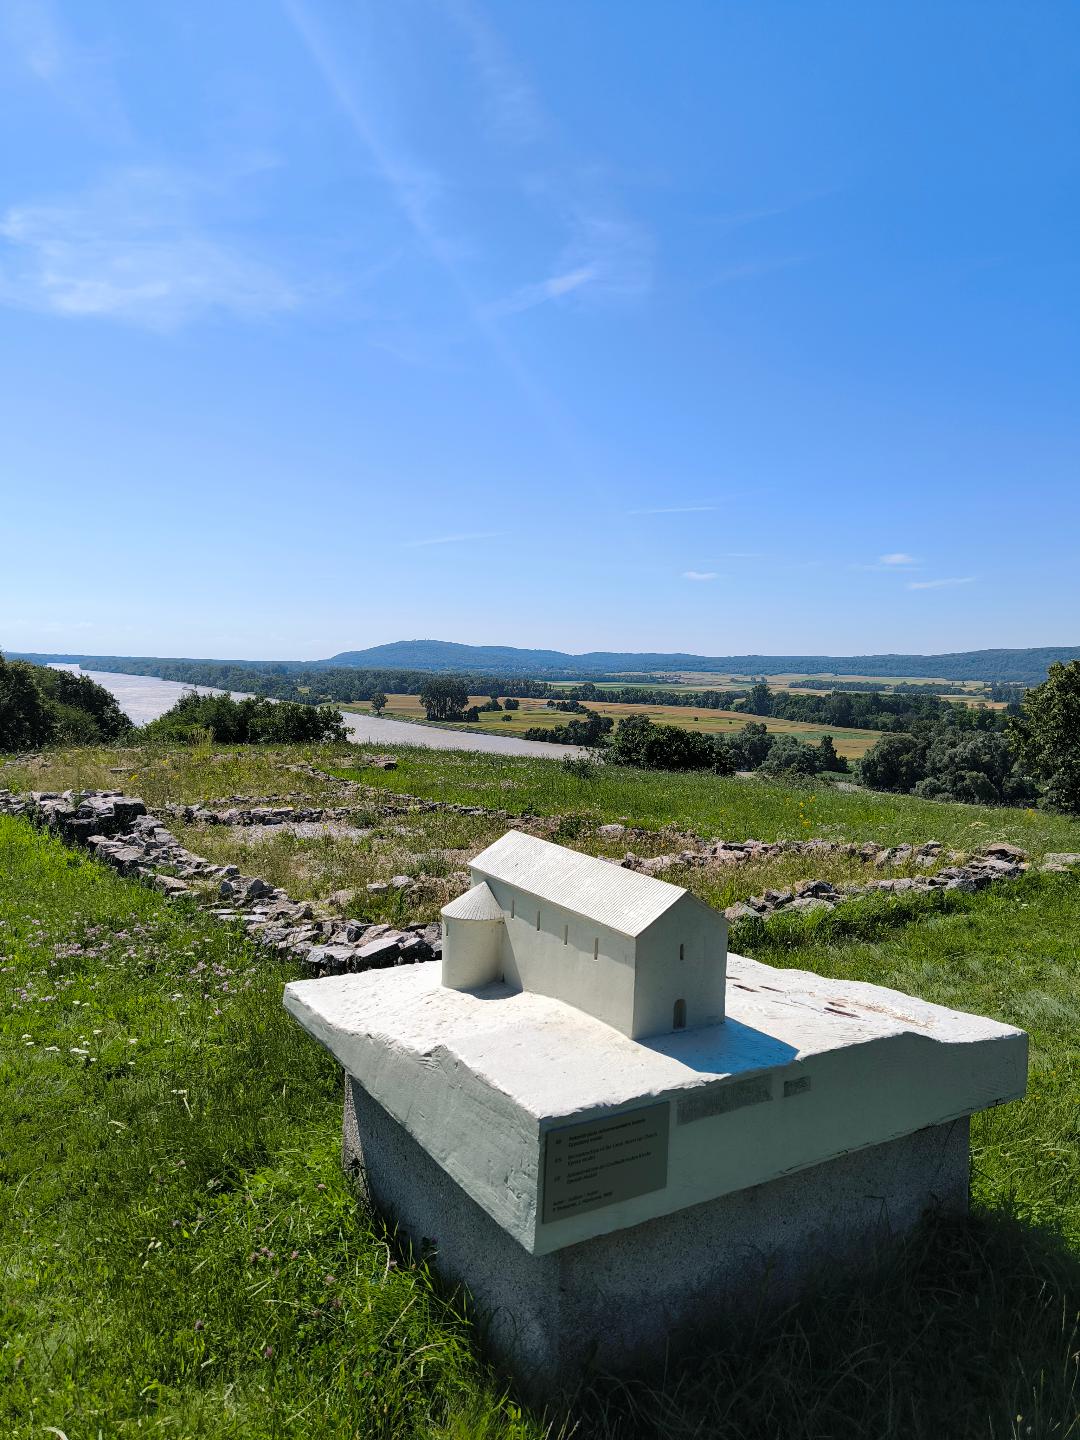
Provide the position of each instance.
(1046, 735)
(511, 704)
(897, 762)
(759, 699)
(378, 702)
(828, 759)
(751, 745)
(789, 756)
(444, 697)
(254, 721)
(25, 722)
(42, 706)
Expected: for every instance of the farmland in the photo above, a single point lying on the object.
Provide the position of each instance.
(852, 744)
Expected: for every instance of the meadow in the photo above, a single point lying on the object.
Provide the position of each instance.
(850, 743)
(182, 1256)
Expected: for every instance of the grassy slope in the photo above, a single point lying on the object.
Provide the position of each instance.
(734, 809)
(180, 1254)
(974, 1326)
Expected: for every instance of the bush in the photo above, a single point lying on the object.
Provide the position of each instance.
(254, 721)
(639, 741)
(788, 756)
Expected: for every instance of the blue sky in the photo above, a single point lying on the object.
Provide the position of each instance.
(713, 327)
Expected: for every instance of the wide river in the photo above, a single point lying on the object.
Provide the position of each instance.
(145, 697)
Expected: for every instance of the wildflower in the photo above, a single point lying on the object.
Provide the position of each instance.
(199, 1325)
(268, 1352)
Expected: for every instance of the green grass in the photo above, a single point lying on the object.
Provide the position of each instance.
(180, 1253)
(733, 809)
(171, 1209)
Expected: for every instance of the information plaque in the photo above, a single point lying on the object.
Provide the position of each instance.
(600, 1162)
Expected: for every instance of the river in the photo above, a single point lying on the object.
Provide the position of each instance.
(144, 697)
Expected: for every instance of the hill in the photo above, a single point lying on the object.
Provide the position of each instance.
(1023, 667)
(1026, 667)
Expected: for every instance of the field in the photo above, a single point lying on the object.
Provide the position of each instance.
(182, 1256)
(850, 743)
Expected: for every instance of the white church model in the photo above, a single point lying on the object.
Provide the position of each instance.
(644, 956)
(607, 1154)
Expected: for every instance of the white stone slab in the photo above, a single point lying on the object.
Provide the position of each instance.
(803, 1070)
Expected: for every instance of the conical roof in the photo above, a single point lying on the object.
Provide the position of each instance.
(476, 904)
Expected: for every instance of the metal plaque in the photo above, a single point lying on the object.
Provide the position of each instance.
(722, 1099)
(599, 1162)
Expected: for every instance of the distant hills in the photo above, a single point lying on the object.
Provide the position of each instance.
(1024, 667)
(1027, 667)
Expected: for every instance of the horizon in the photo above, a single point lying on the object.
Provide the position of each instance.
(566, 327)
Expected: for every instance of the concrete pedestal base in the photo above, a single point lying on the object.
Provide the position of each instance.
(619, 1300)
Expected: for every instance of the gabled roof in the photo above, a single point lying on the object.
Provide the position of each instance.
(618, 899)
(476, 904)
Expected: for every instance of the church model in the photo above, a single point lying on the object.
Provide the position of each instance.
(644, 956)
(604, 1151)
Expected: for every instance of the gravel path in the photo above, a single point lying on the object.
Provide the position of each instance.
(144, 697)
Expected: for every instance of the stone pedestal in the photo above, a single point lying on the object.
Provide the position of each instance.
(621, 1300)
(601, 1195)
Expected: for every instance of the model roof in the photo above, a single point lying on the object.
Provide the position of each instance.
(476, 904)
(618, 899)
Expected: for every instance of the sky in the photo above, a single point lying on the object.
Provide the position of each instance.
(711, 327)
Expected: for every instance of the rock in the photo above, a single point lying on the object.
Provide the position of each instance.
(806, 903)
(612, 830)
(740, 911)
(379, 952)
(1060, 860)
(1001, 850)
(255, 888)
(341, 899)
(400, 882)
(377, 887)
(168, 885)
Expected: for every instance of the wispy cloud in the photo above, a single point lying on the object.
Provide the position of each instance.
(555, 287)
(700, 575)
(940, 584)
(750, 269)
(675, 510)
(134, 249)
(454, 539)
(897, 560)
(512, 104)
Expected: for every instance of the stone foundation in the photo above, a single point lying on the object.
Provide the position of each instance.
(619, 1301)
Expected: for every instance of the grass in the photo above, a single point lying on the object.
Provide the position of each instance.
(733, 809)
(182, 1257)
(180, 1253)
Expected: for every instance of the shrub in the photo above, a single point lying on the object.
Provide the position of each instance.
(255, 721)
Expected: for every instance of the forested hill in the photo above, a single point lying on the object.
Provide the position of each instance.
(1024, 667)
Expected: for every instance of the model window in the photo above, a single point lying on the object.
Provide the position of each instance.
(678, 1019)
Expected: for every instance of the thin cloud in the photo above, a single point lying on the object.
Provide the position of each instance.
(454, 539)
(511, 101)
(897, 560)
(700, 575)
(133, 249)
(675, 510)
(553, 288)
(940, 584)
